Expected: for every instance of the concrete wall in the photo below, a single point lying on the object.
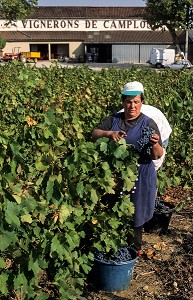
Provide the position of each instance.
(16, 47)
(76, 49)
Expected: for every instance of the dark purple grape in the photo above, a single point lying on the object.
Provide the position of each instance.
(161, 207)
(122, 255)
(145, 139)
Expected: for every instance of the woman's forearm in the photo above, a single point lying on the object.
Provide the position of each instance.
(114, 135)
(156, 151)
(156, 148)
(98, 133)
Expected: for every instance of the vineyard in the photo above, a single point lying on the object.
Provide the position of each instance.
(55, 181)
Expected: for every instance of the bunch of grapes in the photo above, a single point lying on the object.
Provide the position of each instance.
(160, 207)
(100, 256)
(144, 140)
(122, 255)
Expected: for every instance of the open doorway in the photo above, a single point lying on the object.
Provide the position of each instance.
(100, 52)
(42, 48)
(59, 51)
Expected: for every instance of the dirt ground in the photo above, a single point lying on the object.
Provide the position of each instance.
(165, 269)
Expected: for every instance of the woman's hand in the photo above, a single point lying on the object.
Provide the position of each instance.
(116, 136)
(154, 139)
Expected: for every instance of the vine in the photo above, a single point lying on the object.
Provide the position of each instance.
(60, 191)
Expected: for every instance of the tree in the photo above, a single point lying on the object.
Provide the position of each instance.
(13, 10)
(171, 14)
(2, 43)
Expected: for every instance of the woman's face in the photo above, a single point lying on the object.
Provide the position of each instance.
(132, 107)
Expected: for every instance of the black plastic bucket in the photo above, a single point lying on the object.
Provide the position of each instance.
(111, 277)
(161, 219)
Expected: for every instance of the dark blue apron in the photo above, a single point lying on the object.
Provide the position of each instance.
(144, 193)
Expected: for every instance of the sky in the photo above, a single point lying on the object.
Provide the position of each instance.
(91, 3)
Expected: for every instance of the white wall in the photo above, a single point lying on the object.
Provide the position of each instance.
(75, 48)
(16, 47)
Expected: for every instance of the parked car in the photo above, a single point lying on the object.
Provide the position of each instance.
(180, 64)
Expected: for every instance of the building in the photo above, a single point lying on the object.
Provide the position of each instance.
(102, 34)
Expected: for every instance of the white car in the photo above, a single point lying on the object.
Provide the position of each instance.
(180, 64)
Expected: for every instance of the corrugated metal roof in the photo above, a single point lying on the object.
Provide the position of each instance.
(130, 37)
(29, 36)
(87, 12)
(182, 36)
(90, 36)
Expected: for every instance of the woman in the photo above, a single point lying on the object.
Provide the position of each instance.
(136, 128)
(163, 126)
